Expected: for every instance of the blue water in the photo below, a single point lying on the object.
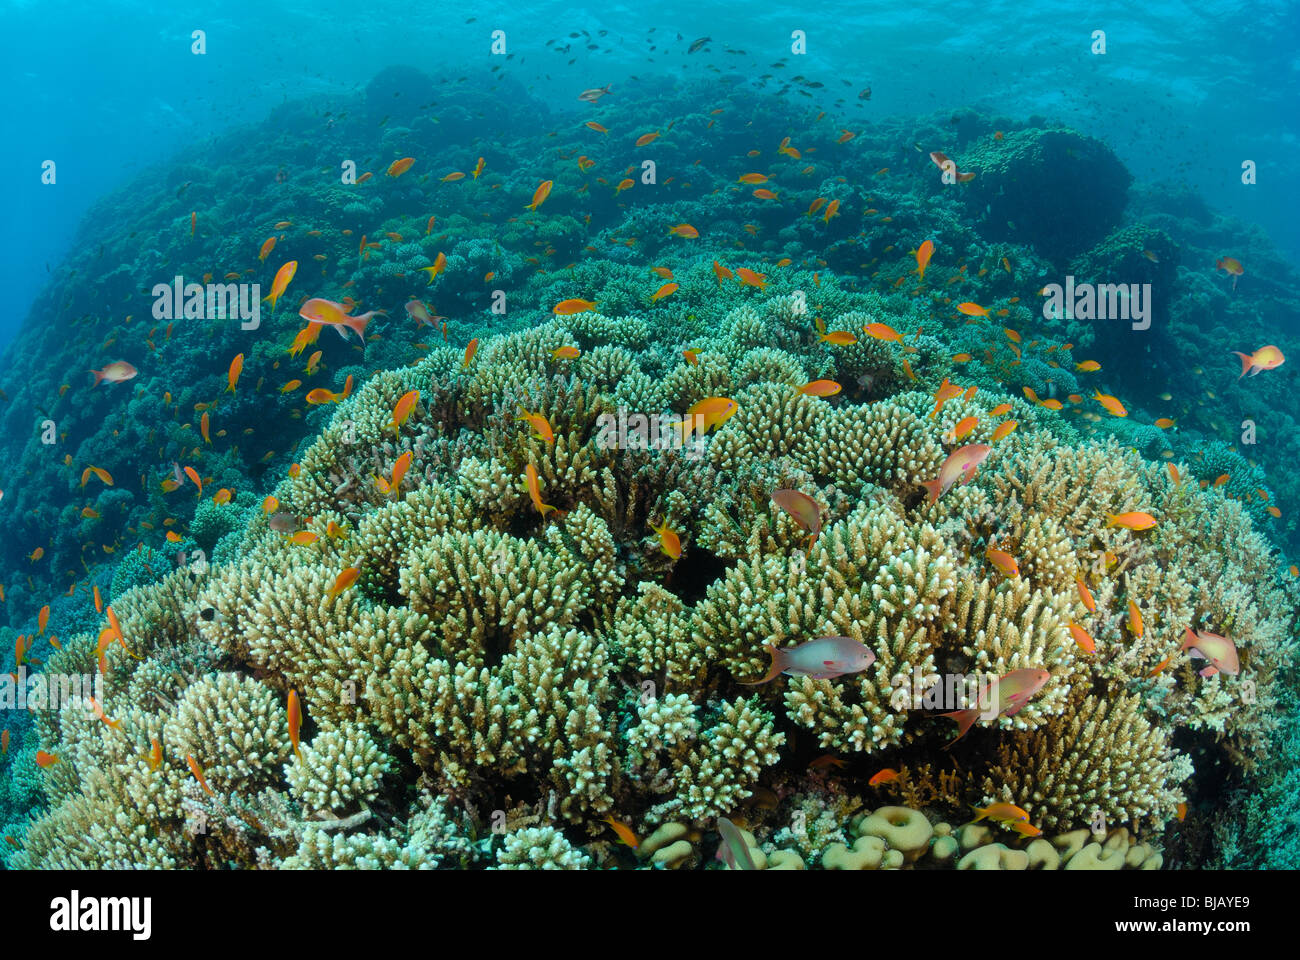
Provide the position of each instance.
(1185, 91)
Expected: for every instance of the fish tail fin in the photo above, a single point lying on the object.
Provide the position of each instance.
(1111, 520)
(965, 720)
(99, 375)
(357, 325)
(932, 486)
(774, 669)
(982, 813)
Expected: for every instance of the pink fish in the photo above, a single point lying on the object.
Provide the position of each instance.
(119, 371)
(960, 465)
(1009, 693)
(822, 659)
(803, 508)
(1220, 651)
(319, 310)
(1265, 358)
(417, 311)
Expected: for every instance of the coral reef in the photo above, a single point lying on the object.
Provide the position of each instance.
(520, 636)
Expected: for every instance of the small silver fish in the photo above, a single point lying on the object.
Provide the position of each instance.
(822, 659)
(595, 93)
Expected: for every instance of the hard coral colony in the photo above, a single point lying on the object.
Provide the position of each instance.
(446, 621)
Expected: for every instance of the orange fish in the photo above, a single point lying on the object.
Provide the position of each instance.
(99, 714)
(1088, 366)
(540, 194)
(194, 476)
(1085, 595)
(232, 377)
(453, 177)
(882, 331)
(887, 775)
(344, 580)
(203, 427)
(478, 168)
(752, 178)
(303, 538)
(1112, 404)
(1004, 562)
(972, 309)
(1230, 265)
(642, 140)
(283, 276)
(821, 388)
(669, 542)
(100, 472)
(832, 210)
(541, 426)
(1003, 430)
(687, 231)
(267, 247)
(470, 350)
(963, 428)
(45, 760)
(403, 410)
(567, 308)
(1081, 637)
(923, 254)
(1133, 520)
(295, 721)
(624, 832)
(567, 352)
(534, 487)
(595, 126)
(667, 290)
(1135, 620)
(198, 774)
(751, 278)
(762, 193)
(194, 222)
